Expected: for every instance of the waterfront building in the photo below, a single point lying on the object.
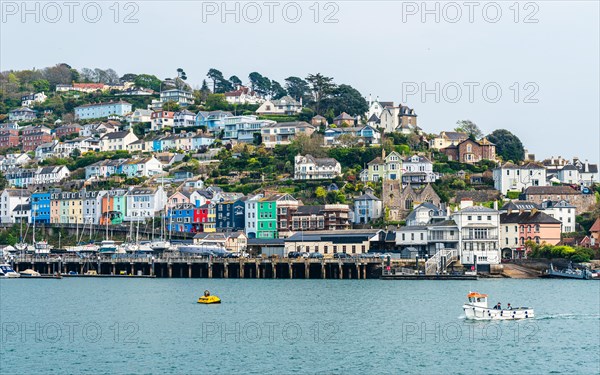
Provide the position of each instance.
(230, 215)
(251, 215)
(113, 206)
(9, 200)
(40, 207)
(144, 202)
(367, 207)
(516, 228)
(479, 238)
(352, 242)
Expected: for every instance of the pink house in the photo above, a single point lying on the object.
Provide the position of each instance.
(178, 197)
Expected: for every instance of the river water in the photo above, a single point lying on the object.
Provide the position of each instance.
(121, 326)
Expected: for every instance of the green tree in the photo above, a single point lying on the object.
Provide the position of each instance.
(508, 145)
(259, 83)
(469, 127)
(320, 192)
(216, 102)
(171, 106)
(235, 80)
(41, 85)
(147, 81)
(277, 92)
(297, 88)
(345, 98)
(321, 87)
(3, 181)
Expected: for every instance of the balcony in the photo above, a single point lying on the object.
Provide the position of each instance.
(480, 238)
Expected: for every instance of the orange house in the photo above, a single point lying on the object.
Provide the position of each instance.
(520, 227)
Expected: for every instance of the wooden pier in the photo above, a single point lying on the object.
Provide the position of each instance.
(196, 267)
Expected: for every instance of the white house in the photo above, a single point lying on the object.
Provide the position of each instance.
(92, 205)
(311, 168)
(9, 200)
(569, 174)
(117, 140)
(31, 99)
(417, 170)
(284, 106)
(144, 202)
(367, 207)
(512, 177)
(243, 95)
(283, 133)
(161, 119)
(399, 119)
(376, 107)
(479, 236)
(184, 118)
(140, 115)
(251, 218)
(562, 211)
(100, 110)
(10, 161)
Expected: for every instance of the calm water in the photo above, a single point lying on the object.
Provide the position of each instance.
(294, 326)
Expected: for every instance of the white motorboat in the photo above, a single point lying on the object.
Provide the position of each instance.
(6, 271)
(477, 309)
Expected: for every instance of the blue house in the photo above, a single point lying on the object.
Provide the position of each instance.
(157, 144)
(212, 120)
(181, 218)
(40, 207)
(230, 215)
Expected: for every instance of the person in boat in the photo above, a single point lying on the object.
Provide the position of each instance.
(206, 293)
(498, 306)
(509, 307)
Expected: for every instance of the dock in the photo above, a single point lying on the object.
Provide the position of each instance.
(203, 267)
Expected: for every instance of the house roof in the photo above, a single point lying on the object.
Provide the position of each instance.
(17, 192)
(344, 116)
(520, 205)
(536, 217)
(596, 226)
(454, 136)
(324, 162)
(546, 190)
(367, 197)
(103, 104)
(116, 135)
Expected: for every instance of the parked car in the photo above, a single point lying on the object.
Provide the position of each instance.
(294, 255)
(304, 255)
(316, 256)
(341, 256)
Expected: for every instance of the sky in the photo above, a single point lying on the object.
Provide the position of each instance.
(531, 68)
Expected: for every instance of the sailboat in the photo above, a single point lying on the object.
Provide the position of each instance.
(162, 243)
(107, 246)
(22, 245)
(41, 247)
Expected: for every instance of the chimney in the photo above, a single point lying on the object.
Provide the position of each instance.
(496, 205)
(465, 202)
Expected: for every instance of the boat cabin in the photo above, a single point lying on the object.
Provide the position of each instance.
(477, 299)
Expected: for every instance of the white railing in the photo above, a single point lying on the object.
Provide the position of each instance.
(435, 264)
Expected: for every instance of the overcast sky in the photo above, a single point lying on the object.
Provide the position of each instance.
(543, 56)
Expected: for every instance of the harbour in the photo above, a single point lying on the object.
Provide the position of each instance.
(132, 325)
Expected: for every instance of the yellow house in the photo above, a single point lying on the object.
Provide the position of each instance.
(55, 199)
(71, 208)
(447, 139)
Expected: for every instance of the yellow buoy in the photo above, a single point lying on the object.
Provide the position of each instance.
(209, 299)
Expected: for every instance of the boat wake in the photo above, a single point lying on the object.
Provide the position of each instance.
(569, 316)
